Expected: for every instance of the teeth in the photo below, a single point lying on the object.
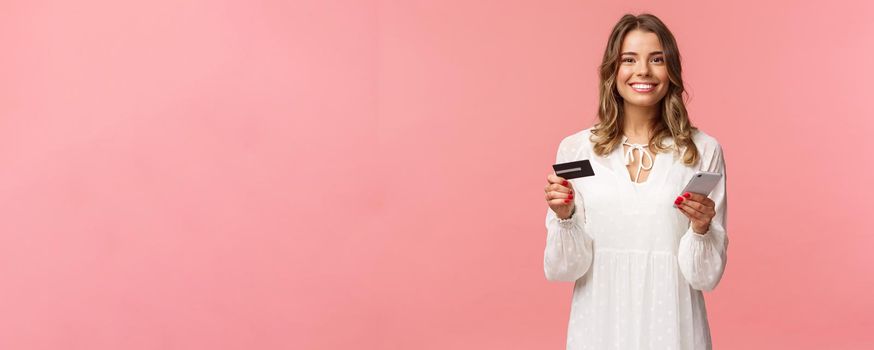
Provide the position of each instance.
(642, 86)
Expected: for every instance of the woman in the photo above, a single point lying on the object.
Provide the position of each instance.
(639, 263)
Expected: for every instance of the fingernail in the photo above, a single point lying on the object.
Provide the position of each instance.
(571, 196)
(687, 195)
(564, 183)
(567, 200)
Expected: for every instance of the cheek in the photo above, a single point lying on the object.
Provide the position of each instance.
(623, 75)
(665, 87)
(662, 75)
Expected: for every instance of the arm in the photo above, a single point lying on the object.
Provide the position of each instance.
(568, 254)
(702, 257)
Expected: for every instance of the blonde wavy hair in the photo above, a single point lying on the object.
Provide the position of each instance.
(673, 121)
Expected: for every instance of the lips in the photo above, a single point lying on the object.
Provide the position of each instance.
(643, 87)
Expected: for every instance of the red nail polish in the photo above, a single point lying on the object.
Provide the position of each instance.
(567, 200)
(571, 196)
(687, 195)
(564, 182)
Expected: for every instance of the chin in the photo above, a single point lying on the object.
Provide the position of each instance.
(646, 103)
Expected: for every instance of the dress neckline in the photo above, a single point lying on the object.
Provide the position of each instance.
(628, 156)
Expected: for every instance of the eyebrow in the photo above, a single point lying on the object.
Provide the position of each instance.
(651, 53)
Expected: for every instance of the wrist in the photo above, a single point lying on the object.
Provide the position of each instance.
(573, 210)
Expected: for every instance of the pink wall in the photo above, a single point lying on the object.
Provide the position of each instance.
(321, 175)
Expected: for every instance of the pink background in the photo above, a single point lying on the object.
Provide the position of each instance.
(369, 174)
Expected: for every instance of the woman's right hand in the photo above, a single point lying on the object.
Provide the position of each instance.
(560, 196)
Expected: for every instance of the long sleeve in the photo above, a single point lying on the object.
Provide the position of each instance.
(702, 258)
(568, 254)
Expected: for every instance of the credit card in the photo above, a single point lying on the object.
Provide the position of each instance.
(573, 170)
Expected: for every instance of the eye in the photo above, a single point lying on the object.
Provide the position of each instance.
(627, 59)
(659, 59)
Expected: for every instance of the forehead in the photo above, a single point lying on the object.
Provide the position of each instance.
(641, 42)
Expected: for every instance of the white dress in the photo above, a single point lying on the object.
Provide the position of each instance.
(639, 269)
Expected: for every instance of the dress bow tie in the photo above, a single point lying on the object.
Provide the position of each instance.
(629, 157)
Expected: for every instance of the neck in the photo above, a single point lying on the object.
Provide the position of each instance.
(638, 122)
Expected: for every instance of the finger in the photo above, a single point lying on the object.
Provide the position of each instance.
(694, 205)
(683, 200)
(682, 210)
(557, 198)
(559, 203)
(694, 196)
(688, 200)
(558, 188)
(561, 195)
(698, 211)
(701, 207)
(700, 203)
(558, 180)
(692, 214)
(555, 179)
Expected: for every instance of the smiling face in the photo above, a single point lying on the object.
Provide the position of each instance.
(642, 77)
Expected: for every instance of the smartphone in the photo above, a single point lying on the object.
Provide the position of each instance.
(702, 182)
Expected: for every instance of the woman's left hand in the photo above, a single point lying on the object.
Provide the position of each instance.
(698, 208)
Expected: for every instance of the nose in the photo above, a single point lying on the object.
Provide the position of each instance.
(643, 69)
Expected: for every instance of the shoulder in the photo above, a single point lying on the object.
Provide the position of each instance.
(577, 141)
(705, 142)
(709, 148)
